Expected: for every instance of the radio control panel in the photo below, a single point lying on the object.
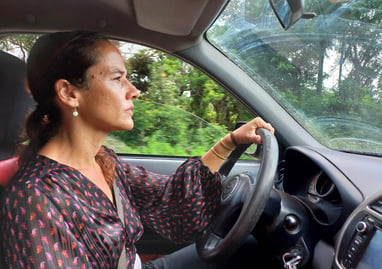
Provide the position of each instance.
(359, 244)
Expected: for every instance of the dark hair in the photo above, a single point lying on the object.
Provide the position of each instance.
(62, 55)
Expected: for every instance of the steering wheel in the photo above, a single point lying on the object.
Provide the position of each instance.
(242, 202)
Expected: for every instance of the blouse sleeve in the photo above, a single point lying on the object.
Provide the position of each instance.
(34, 233)
(179, 206)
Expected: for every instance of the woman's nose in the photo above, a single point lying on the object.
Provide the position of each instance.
(132, 92)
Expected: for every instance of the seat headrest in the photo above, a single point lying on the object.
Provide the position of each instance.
(15, 102)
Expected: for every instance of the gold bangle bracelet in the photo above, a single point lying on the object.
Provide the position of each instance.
(217, 154)
(224, 145)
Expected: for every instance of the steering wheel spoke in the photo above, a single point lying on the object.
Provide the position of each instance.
(234, 197)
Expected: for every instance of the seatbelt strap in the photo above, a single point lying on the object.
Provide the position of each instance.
(118, 202)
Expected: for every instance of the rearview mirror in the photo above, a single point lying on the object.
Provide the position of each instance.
(288, 12)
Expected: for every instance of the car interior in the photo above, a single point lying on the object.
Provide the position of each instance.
(306, 203)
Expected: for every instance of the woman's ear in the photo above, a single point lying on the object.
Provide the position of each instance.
(66, 92)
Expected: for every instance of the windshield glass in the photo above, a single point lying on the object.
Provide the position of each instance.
(325, 71)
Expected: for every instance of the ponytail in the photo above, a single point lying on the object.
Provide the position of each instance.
(41, 125)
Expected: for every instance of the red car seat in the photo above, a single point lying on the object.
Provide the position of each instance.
(8, 168)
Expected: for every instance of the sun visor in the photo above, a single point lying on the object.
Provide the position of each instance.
(173, 17)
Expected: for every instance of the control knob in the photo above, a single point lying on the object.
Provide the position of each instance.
(361, 227)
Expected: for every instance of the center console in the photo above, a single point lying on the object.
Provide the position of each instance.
(359, 244)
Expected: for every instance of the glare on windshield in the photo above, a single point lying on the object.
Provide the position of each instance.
(326, 72)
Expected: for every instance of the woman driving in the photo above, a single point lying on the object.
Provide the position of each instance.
(60, 210)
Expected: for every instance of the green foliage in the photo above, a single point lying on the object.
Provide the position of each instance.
(167, 130)
(139, 70)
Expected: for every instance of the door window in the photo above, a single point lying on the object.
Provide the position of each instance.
(180, 112)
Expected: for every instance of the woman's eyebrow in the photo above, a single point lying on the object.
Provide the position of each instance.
(117, 71)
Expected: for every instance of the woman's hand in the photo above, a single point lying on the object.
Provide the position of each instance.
(244, 135)
(247, 133)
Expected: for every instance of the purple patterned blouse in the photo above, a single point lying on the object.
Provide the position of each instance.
(54, 217)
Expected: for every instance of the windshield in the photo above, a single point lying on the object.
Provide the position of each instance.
(325, 71)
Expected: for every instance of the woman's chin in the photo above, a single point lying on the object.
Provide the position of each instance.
(127, 126)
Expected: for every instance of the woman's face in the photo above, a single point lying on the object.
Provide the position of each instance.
(107, 104)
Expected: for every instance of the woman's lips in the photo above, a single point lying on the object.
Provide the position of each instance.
(130, 110)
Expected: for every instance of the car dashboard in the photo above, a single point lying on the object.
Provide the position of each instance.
(343, 194)
(318, 183)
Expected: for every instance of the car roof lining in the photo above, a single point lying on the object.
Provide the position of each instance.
(139, 21)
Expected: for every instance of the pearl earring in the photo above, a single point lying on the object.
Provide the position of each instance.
(75, 112)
